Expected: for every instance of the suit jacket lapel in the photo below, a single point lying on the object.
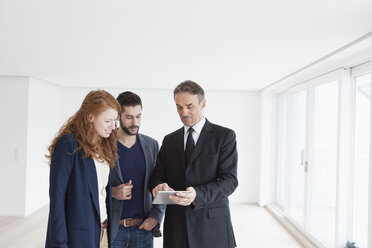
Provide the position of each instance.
(204, 137)
(91, 175)
(179, 146)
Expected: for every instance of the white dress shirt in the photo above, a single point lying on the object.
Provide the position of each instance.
(195, 135)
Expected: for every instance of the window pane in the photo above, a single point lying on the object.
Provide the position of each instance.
(322, 167)
(296, 135)
(361, 160)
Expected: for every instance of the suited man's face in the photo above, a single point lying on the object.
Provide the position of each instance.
(189, 108)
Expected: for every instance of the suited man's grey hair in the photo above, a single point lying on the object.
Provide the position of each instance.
(190, 87)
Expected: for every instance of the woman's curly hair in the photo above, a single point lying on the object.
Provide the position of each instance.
(92, 144)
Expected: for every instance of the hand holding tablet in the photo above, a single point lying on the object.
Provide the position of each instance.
(182, 198)
(162, 197)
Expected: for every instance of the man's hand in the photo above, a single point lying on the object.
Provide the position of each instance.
(161, 187)
(123, 191)
(184, 199)
(148, 224)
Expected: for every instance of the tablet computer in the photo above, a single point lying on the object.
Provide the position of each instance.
(163, 197)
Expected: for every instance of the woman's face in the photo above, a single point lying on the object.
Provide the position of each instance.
(105, 122)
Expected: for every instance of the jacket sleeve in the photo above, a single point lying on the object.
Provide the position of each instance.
(60, 170)
(157, 211)
(158, 175)
(226, 179)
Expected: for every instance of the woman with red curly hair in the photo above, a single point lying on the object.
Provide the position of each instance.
(80, 159)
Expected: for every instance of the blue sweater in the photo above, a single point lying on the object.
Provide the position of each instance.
(132, 166)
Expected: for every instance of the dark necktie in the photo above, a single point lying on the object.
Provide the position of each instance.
(189, 146)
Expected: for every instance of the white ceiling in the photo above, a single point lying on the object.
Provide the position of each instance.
(231, 44)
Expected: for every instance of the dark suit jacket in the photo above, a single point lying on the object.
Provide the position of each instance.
(74, 216)
(150, 150)
(212, 171)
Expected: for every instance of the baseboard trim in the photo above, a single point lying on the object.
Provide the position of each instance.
(292, 230)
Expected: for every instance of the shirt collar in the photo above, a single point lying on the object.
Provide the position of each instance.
(197, 127)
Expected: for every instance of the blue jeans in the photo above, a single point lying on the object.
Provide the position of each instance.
(132, 237)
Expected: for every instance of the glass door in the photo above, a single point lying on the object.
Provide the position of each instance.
(292, 140)
(322, 170)
(308, 138)
(296, 141)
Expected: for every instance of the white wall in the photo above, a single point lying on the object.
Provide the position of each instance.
(240, 112)
(267, 156)
(13, 144)
(44, 115)
(236, 110)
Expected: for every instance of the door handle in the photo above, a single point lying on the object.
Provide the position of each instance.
(302, 157)
(303, 161)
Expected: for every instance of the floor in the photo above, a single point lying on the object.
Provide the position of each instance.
(253, 227)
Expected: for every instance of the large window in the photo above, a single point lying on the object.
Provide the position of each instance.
(312, 135)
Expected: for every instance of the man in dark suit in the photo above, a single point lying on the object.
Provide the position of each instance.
(200, 157)
(134, 219)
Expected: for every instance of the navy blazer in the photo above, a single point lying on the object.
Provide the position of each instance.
(212, 171)
(74, 216)
(150, 150)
